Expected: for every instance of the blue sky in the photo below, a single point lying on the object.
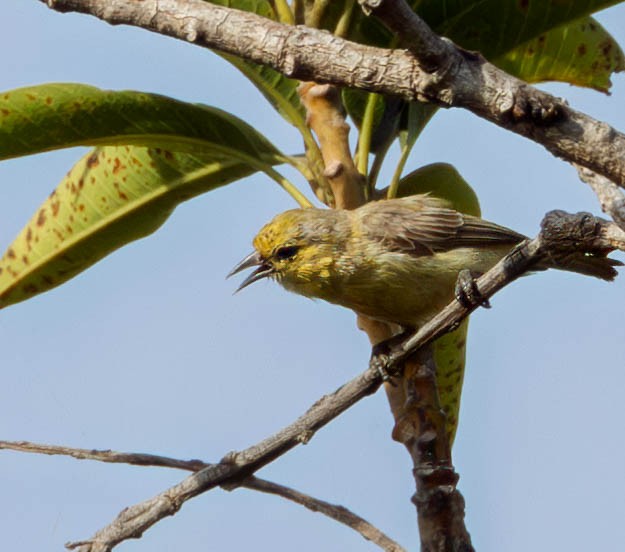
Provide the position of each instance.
(150, 351)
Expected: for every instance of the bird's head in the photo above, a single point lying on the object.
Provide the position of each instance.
(296, 249)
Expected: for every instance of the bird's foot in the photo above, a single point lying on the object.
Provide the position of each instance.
(467, 292)
(382, 356)
(379, 362)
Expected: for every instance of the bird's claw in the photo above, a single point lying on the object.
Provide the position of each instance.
(467, 292)
(379, 363)
(383, 356)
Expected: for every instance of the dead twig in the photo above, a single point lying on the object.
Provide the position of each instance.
(336, 512)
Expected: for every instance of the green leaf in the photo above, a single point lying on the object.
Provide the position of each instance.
(581, 53)
(112, 196)
(535, 40)
(52, 116)
(512, 33)
(417, 116)
(444, 181)
(494, 27)
(158, 152)
(278, 90)
(450, 360)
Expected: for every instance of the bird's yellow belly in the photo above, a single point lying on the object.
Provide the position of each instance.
(407, 290)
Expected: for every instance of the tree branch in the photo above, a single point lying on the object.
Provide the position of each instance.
(611, 197)
(562, 237)
(440, 506)
(436, 71)
(325, 116)
(464, 79)
(432, 51)
(233, 468)
(423, 431)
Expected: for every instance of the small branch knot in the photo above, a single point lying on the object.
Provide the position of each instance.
(230, 458)
(576, 243)
(561, 230)
(535, 108)
(305, 436)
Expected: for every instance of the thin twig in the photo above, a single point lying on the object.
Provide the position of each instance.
(109, 456)
(234, 468)
(464, 79)
(336, 512)
(610, 195)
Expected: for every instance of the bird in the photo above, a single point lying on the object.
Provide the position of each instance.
(393, 260)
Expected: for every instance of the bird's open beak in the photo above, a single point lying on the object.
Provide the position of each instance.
(263, 269)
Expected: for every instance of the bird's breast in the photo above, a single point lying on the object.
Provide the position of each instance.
(403, 288)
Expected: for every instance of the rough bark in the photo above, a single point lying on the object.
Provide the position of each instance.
(462, 79)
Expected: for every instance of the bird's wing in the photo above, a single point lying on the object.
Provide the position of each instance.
(422, 225)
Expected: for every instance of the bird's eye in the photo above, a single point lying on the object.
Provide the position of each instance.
(286, 252)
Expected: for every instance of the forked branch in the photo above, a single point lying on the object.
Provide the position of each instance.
(338, 513)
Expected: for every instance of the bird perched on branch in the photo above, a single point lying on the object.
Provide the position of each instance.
(393, 260)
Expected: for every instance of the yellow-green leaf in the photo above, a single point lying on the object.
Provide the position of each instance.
(444, 181)
(53, 116)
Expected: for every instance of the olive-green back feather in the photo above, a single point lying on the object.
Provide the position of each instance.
(424, 225)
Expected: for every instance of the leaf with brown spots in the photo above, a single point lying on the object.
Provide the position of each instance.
(97, 209)
(155, 153)
(54, 116)
(581, 53)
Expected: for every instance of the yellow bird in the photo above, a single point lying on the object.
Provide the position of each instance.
(393, 260)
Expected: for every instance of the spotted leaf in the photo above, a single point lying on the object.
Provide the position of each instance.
(112, 196)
